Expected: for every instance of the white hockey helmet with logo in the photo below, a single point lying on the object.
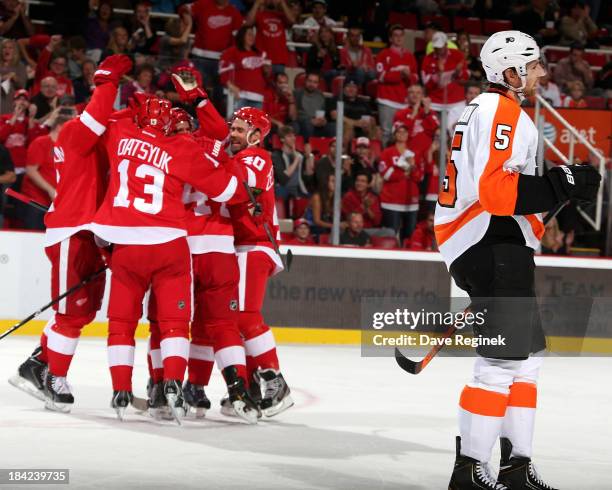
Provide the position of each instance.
(508, 49)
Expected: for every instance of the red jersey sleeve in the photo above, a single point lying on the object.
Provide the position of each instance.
(208, 175)
(383, 68)
(35, 155)
(376, 209)
(42, 66)
(84, 132)
(414, 69)
(212, 125)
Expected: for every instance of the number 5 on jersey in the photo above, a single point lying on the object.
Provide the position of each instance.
(448, 194)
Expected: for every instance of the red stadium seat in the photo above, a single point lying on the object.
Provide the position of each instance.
(320, 145)
(339, 38)
(595, 59)
(491, 26)
(408, 21)
(299, 143)
(286, 236)
(292, 61)
(407, 242)
(281, 208)
(595, 102)
(471, 25)
(372, 89)
(442, 20)
(336, 85)
(384, 241)
(276, 142)
(298, 206)
(419, 44)
(324, 239)
(553, 55)
(299, 80)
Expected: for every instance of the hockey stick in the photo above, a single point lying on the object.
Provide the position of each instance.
(415, 367)
(257, 212)
(23, 198)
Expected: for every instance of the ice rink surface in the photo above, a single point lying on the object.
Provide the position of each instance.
(358, 423)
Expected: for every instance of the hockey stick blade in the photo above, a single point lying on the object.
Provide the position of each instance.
(415, 367)
(140, 404)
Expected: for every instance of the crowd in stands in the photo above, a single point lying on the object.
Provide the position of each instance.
(295, 59)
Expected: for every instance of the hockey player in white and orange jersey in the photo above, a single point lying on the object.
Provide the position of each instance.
(487, 226)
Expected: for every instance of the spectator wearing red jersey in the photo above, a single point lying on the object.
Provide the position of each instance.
(400, 193)
(279, 102)
(423, 237)
(360, 199)
(53, 65)
(419, 118)
(301, 234)
(40, 181)
(576, 98)
(397, 70)
(216, 22)
(15, 130)
(243, 70)
(442, 72)
(12, 72)
(357, 59)
(323, 56)
(272, 18)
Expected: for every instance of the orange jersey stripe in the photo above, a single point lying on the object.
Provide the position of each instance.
(497, 189)
(445, 231)
(483, 402)
(523, 395)
(536, 225)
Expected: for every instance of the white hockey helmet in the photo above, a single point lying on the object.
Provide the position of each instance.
(508, 49)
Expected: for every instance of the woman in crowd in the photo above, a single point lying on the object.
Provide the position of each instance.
(12, 73)
(323, 56)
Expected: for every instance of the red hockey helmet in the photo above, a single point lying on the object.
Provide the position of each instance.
(178, 116)
(153, 113)
(255, 118)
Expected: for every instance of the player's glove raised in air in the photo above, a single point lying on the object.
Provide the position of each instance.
(188, 90)
(580, 182)
(112, 69)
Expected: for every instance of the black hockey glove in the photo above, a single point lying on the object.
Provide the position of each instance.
(580, 182)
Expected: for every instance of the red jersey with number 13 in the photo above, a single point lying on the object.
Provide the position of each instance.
(144, 201)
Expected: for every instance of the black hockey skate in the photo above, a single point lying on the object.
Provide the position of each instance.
(30, 376)
(58, 394)
(277, 397)
(239, 399)
(254, 392)
(470, 474)
(196, 399)
(120, 402)
(518, 472)
(175, 399)
(157, 403)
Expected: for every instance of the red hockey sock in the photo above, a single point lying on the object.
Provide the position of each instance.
(121, 348)
(201, 362)
(154, 359)
(262, 348)
(61, 345)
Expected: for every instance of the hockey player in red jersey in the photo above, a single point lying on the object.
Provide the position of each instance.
(214, 328)
(70, 246)
(144, 217)
(257, 259)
